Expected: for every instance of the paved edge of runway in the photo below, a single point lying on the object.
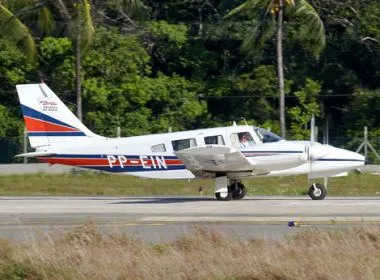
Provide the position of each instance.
(164, 220)
(33, 216)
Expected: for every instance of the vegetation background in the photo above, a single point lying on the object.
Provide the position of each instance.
(148, 65)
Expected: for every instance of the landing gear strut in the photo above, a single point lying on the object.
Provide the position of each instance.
(317, 191)
(228, 189)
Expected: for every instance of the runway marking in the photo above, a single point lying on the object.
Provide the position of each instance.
(265, 221)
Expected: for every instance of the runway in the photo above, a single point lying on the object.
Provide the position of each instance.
(156, 219)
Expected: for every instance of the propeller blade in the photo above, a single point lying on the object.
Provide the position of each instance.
(312, 140)
(312, 130)
(317, 151)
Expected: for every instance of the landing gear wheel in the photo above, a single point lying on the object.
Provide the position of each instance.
(224, 196)
(317, 191)
(238, 190)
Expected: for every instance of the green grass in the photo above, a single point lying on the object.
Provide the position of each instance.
(104, 184)
(85, 253)
(355, 184)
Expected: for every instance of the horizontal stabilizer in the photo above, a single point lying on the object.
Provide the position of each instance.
(36, 154)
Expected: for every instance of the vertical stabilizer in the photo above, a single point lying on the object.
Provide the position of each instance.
(47, 119)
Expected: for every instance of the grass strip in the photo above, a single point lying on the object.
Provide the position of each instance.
(117, 185)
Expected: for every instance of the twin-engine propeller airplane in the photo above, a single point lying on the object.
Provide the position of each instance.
(226, 153)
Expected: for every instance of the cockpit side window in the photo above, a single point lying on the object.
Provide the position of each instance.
(241, 140)
(184, 144)
(214, 140)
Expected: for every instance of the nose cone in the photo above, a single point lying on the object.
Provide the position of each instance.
(348, 158)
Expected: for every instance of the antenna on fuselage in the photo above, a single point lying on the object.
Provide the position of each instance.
(234, 123)
(244, 120)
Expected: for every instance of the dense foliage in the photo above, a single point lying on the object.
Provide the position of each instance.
(152, 65)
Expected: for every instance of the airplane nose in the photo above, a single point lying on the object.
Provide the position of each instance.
(359, 157)
(348, 158)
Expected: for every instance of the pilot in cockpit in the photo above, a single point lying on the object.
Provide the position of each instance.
(245, 138)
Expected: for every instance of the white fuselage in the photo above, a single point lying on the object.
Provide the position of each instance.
(153, 156)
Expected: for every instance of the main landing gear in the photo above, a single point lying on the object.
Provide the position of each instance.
(228, 189)
(317, 191)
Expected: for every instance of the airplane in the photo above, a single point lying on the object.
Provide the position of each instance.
(228, 154)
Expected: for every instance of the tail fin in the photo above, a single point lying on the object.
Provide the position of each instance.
(47, 119)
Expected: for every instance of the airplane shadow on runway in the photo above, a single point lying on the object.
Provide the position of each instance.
(163, 200)
(169, 200)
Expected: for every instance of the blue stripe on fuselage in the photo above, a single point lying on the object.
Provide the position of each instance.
(119, 169)
(69, 133)
(277, 152)
(339, 159)
(105, 156)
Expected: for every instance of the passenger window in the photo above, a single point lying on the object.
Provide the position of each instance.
(184, 144)
(158, 148)
(241, 140)
(214, 140)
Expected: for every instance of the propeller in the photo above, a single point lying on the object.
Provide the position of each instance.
(315, 150)
(310, 150)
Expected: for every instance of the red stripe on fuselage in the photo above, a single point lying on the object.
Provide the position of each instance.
(75, 161)
(35, 125)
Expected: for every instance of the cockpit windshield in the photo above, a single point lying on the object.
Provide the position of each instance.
(267, 136)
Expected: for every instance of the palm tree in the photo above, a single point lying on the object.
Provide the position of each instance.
(77, 15)
(14, 30)
(128, 9)
(271, 18)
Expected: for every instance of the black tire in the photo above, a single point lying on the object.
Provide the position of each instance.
(238, 191)
(317, 192)
(224, 196)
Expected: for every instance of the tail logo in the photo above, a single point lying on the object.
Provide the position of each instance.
(48, 106)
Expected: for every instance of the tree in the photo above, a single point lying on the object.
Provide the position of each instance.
(12, 29)
(308, 105)
(270, 15)
(119, 90)
(77, 15)
(260, 84)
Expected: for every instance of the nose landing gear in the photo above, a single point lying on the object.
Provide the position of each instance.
(317, 191)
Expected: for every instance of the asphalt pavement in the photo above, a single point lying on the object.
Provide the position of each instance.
(161, 219)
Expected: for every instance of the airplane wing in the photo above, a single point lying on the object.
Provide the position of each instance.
(258, 159)
(214, 158)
